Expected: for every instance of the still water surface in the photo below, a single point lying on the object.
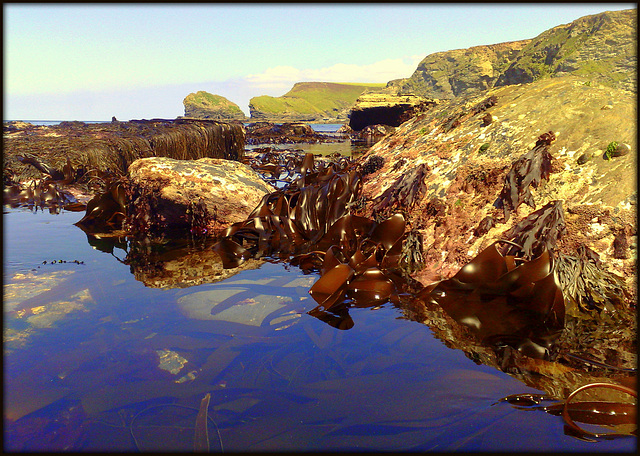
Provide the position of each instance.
(96, 360)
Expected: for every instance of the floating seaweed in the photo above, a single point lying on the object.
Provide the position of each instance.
(528, 171)
(41, 193)
(106, 211)
(614, 414)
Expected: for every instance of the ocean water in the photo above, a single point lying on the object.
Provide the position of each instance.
(98, 357)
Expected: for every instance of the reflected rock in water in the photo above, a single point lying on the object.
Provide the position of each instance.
(179, 265)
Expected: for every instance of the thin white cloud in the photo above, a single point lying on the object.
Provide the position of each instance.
(283, 77)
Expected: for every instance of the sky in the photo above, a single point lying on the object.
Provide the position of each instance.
(139, 61)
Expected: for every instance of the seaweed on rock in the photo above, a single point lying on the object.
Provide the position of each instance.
(541, 229)
(528, 171)
(587, 286)
(404, 193)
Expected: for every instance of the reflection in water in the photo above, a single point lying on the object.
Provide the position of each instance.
(492, 310)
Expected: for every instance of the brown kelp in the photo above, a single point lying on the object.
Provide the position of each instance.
(589, 287)
(309, 224)
(403, 193)
(505, 300)
(541, 229)
(612, 412)
(106, 211)
(290, 220)
(528, 171)
(114, 146)
(41, 193)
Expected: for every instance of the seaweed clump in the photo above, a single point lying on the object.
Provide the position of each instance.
(404, 193)
(528, 171)
(504, 300)
(587, 286)
(373, 164)
(541, 229)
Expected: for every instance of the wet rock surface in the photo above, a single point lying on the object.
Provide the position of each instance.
(583, 211)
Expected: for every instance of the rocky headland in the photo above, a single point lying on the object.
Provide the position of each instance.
(326, 102)
(601, 48)
(204, 105)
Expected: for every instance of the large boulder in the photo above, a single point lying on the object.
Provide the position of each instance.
(169, 194)
(447, 168)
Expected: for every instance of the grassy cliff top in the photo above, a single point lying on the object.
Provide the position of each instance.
(313, 98)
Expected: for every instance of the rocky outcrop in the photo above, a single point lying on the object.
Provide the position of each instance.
(455, 201)
(177, 195)
(79, 151)
(203, 105)
(601, 48)
(310, 102)
(545, 173)
(385, 109)
(287, 133)
(445, 75)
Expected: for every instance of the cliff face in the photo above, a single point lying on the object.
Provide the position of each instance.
(310, 101)
(446, 75)
(601, 48)
(203, 105)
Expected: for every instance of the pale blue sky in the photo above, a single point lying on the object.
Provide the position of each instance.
(94, 61)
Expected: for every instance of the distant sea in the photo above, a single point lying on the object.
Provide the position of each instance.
(320, 128)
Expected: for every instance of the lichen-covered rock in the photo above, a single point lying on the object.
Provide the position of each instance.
(461, 182)
(168, 192)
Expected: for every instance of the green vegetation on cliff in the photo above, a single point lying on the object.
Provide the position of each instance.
(204, 105)
(311, 101)
(601, 47)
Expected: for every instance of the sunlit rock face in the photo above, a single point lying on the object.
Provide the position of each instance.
(601, 47)
(465, 162)
(204, 105)
(445, 75)
(170, 190)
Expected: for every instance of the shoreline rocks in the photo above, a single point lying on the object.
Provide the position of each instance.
(169, 194)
